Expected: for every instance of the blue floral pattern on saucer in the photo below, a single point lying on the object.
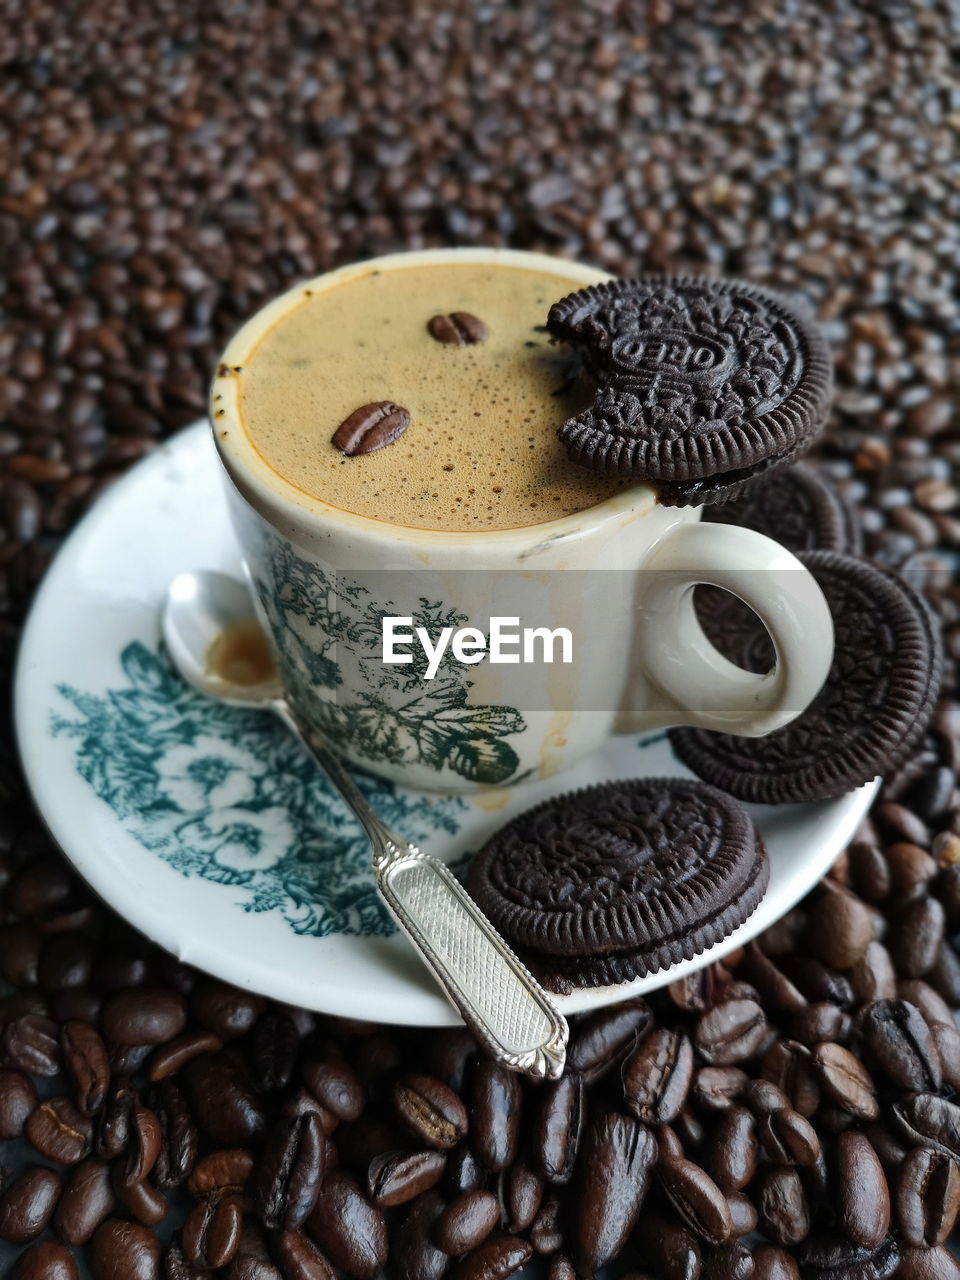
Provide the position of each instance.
(227, 795)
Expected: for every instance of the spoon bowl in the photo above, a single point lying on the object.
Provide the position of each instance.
(200, 609)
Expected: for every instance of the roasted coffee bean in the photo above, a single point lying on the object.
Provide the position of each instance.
(46, 1260)
(370, 427)
(18, 1098)
(734, 1152)
(86, 1201)
(459, 329)
(833, 1255)
(818, 983)
(716, 1088)
(27, 1205)
(916, 937)
(863, 1199)
(775, 988)
(211, 1233)
(142, 1200)
(743, 1214)
(613, 1172)
(112, 1127)
(522, 1195)
(273, 1050)
(657, 1077)
(430, 1110)
(869, 871)
(770, 1263)
(561, 1268)
(336, 1086)
(731, 1032)
(224, 1098)
(668, 1144)
(787, 1138)
(227, 1170)
(32, 1044)
(891, 1150)
(143, 1146)
(299, 1258)
(764, 1097)
(557, 1127)
(348, 1228)
(124, 1251)
(545, 1234)
(873, 976)
(839, 931)
(845, 1081)
(729, 1261)
(496, 1104)
(494, 1259)
(782, 1206)
(85, 1057)
(448, 1056)
(289, 1172)
(413, 1255)
(396, 1177)
(673, 1249)
(466, 1222)
(179, 1140)
(818, 1022)
(928, 1264)
(930, 1121)
(464, 1172)
(787, 1064)
(226, 1011)
(927, 1197)
(175, 1054)
(245, 1267)
(144, 1017)
(697, 991)
(946, 1041)
(602, 1039)
(697, 1200)
(59, 1131)
(899, 1042)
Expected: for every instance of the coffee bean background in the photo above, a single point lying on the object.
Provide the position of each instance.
(166, 167)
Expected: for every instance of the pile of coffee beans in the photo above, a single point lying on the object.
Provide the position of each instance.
(166, 168)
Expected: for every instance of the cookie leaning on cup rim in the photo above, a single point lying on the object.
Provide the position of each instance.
(619, 880)
(876, 703)
(703, 385)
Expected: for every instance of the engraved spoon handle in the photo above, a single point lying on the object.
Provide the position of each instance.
(498, 998)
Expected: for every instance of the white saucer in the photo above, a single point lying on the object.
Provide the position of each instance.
(209, 830)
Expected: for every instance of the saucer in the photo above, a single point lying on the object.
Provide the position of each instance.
(208, 828)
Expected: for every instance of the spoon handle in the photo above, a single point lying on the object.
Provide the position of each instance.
(497, 997)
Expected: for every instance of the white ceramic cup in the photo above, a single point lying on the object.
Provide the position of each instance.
(319, 572)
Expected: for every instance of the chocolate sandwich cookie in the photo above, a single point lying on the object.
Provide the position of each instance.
(623, 879)
(870, 714)
(698, 380)
(796, 507)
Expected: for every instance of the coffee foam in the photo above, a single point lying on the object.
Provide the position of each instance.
(481, 450)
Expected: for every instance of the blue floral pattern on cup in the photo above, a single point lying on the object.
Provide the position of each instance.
(227, 795)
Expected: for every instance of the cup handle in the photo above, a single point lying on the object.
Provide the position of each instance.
(692, 683)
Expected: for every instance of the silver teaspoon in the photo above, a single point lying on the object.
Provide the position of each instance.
(494, 993)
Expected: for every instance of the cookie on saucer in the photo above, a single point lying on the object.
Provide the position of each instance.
(869, 716)
(623, 879)
(797, 507)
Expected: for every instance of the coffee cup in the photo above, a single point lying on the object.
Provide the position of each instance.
(345, 595)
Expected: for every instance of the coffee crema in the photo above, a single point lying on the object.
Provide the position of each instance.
(481, 451)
